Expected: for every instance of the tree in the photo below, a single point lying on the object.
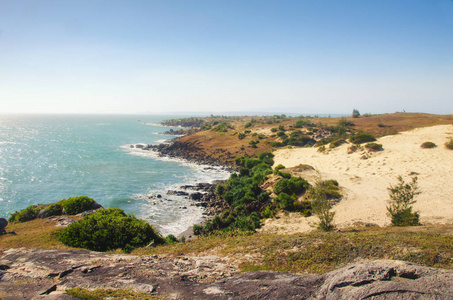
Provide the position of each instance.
(321, 206)
(401, 198)
(355, 113)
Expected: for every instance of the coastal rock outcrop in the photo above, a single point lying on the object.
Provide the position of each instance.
(45, 274)
(3, 224)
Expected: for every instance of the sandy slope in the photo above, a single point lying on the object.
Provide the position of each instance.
(365, 181)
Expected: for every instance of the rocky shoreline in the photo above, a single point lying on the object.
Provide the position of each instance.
(201, 194)
(190, 152)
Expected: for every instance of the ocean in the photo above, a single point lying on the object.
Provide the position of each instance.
(46, 158)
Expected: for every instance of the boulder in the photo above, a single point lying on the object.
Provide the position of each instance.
(3, 224)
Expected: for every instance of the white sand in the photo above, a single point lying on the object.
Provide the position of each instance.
(364, 182)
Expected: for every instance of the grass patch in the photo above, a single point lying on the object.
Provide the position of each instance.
(100, 294)
(428, 145)
(449, 144)
(38, 233)
(320, 252)
(374, 147)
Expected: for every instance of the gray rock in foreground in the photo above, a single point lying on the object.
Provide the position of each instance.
(45, 274)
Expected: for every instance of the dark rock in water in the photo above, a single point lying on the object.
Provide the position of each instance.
(177, 193)
(196, 196)
(3, 224)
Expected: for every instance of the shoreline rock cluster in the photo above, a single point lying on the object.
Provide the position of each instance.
(190, 152)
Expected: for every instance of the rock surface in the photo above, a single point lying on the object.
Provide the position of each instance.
(46, 274)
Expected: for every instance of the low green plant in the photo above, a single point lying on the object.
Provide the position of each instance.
(401, 200)
(428, 145)
(100, 294)
(278, 168)
(449, 144)
(241, 135)
(374, 147)
(268, 212)
(109, 229)
(362, 137)
(336, 143)
(322, 149)
(27, 214)
(294, 185)
(76, 205)
(54, 209)
(321, 206)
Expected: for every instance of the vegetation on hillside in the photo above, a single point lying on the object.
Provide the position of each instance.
(109, 229)
(71, 206)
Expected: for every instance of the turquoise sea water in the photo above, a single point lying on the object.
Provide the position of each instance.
(45, 158)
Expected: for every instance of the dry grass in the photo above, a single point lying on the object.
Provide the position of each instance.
(39, 233)
(316, 252)
(225, 146)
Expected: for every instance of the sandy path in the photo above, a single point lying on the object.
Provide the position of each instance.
(365, 181)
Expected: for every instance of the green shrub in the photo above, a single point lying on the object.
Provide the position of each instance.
(278, 168)
(362, 137)
(294, 185)
(273, 129)
(76, 205)
(27, 214)
(321, 206)
(285, 201)
(247, 125)
(449, 144)
(374, 147)
(322, 149)
(428, 145)
(241, 135)
(55, 209)
(171, 239)
(401, 198)
(109, 229)
(268, 212)
(336, 143)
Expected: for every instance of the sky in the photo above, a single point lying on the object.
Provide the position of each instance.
(173, 56)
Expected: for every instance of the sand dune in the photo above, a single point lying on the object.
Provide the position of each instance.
(364, 182)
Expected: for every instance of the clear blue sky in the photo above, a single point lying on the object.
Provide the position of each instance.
(305, 56)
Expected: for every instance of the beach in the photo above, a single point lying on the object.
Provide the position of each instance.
(365, 176)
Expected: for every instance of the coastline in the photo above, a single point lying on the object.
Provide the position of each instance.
(200, 194)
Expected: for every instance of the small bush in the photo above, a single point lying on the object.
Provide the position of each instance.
(247, 125)
(109, 229)
(449, 144)
(321, 206)
(278, 168)
(362, 137)
(27, 214)
(337, 143)
(241, 135)
(273, 129)
(374, 147)
(76, 205)
(294, 185)
(285, 201)
(268, 212)
(322, 149)
(428, 145)
(55, 209)
(401, 198)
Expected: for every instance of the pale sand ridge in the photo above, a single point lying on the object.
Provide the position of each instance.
(364, 182)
